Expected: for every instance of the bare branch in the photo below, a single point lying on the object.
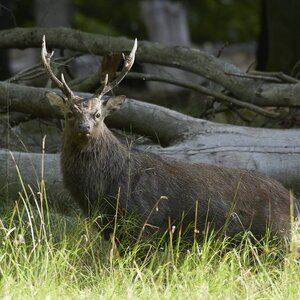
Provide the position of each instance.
(264, 77)
(257, 92)
(201, 89)
(36, 71)
(279, 75)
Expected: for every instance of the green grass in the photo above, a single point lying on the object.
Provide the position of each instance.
(44, 255)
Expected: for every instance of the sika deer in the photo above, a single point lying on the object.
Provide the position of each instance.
(101, 174)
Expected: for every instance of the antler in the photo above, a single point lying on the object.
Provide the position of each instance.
(62, 85)
(128, 62)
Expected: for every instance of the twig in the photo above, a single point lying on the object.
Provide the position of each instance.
(36, 70)
(280, 75)
(254, 76)
(222, 48)
(250, 66)
(86, 83)
(295, 68)
(201, 89)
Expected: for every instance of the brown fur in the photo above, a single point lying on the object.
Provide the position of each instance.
(99, 171)
(102, 174)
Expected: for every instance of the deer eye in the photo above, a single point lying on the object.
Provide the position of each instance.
(70, 115)
(97, 115)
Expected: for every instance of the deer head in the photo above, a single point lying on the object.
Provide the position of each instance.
(84, 116)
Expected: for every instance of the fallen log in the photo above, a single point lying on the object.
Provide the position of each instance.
(275, 152)
(251, 89)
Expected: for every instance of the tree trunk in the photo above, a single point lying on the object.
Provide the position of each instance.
(50, 13)
(166, 23)
(279, 44)
(6, 21)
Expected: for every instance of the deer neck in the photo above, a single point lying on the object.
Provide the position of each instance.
(93, 168)
(101, 146)
(94, 162)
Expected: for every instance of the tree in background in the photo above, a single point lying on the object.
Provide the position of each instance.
(7, 20)
(49, 13)
(279, 43)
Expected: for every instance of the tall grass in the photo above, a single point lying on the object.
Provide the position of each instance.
(44, 255)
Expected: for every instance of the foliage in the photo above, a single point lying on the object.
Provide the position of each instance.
(213, 20)
(44, 255)
(223, 20)
(110, 17)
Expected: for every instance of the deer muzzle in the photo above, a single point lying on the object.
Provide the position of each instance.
(84, 128)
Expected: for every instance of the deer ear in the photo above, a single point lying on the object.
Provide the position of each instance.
(56, 100)
(114, 103)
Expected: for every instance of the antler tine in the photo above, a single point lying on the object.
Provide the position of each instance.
(128, 63)
(46, 58)
(105, 81)
(67, 91)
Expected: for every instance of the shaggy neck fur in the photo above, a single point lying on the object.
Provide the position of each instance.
(92, 166)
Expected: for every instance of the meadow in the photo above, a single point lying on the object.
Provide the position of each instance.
(46, 255)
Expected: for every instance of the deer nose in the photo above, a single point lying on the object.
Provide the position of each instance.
(84, 128)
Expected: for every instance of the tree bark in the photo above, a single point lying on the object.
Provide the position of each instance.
(22, 173)
(251, 90)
